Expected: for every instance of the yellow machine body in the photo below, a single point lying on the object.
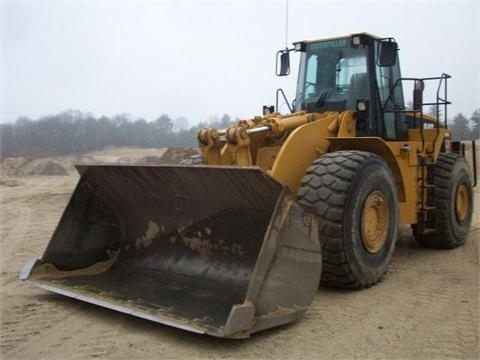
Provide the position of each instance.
(284, 146)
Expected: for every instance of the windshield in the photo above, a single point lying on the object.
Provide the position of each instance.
(333, 76)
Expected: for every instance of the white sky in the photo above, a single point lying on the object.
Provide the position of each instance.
(196, 59)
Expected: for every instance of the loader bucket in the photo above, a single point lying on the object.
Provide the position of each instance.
(219, 250)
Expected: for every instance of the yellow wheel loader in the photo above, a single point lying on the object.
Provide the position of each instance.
(237, 239)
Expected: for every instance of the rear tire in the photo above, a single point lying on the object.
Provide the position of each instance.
(357, 208)
(453, 199)
(196, 159)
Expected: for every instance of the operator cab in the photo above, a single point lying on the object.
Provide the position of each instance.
(355, 73)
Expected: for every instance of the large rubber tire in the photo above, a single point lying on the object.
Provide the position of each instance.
(196, 159)
(339, 185)
(450, 175)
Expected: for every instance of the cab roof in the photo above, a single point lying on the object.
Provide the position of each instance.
(338, 38)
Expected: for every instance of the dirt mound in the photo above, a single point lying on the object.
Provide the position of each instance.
(176, 155)
(127, 151)
(127, 160)
(86, 160)
(63, 165)
(43, 167)
(12, 166)
(173, 155)
(10, 182)
(150, 160)
(103, 159)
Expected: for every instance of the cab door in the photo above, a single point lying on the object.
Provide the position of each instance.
(391, 102)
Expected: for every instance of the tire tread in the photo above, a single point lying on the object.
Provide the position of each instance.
(442, 172)
(325, 187)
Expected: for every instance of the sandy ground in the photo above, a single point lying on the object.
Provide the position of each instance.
(427, 307)
(108, 155)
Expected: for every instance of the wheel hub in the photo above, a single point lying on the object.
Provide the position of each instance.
(375, 220)
(461, 202)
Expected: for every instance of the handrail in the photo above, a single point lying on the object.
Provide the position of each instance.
(280, 90)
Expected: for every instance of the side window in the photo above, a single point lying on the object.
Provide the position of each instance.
(383, 82)
(383, 79)
(390, 129)
(311, 76)
(394, 120)
(341, 81)
(395, 125)
(346, 68)
(352, 79)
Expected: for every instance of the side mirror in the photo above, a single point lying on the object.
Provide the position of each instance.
(418, 88)
(387, 55)
(282, 65)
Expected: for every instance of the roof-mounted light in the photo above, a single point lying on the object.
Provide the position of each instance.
(356, 40)
(298, 46)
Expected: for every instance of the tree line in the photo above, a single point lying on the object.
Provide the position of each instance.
(464, 128)
(73, 132)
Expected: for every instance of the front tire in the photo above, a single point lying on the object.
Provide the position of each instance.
(357, 207)
(453, 199)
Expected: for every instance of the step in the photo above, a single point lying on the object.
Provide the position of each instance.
(426, 160)
(428, 186)
(428, 231)
(427, 208)
(428, 163)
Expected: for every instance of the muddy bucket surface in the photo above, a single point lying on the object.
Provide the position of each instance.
(218, 250)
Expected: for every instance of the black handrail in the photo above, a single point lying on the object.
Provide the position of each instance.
(474, 161)
(439, 101)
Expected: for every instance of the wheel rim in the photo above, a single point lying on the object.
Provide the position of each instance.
(375, 219)
(461, 202)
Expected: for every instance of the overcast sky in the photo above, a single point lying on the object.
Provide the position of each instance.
(197, 59)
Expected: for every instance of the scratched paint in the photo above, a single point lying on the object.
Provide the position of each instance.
(201, 245)
(146, 240)
(50, 271)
